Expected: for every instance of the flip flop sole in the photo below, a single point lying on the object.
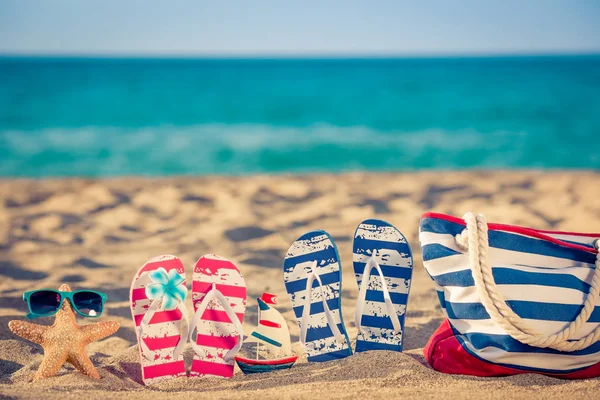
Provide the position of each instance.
(163, 332)
(394, 256)
(318, 246)
(216, 334)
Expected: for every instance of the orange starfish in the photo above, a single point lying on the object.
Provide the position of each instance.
(64, 341)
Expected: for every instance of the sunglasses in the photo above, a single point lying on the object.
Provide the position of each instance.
(47, 302)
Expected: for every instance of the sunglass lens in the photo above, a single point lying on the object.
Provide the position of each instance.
(88, 303)
(44, 302)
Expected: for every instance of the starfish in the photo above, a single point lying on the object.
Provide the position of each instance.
(64, 341)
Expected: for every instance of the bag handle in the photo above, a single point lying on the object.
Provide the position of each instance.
(475, 239)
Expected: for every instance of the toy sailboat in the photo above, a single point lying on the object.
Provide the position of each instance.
(273, 333)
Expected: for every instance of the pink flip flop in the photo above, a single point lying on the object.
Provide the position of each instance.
(219, 297)
(157, 300)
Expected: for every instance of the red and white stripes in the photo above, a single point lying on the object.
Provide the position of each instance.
(217, 334)
(163, 332)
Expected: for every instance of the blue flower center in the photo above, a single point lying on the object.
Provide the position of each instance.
(170, 289)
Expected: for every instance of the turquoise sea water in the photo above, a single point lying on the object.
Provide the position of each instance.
(106, 117)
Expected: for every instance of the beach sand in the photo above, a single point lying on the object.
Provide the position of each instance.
(97, 233)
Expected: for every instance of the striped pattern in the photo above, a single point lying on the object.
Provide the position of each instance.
(544, 277)
(394, 256)
(163, 332)
(216, 334)
(272, 328)
(317, 246)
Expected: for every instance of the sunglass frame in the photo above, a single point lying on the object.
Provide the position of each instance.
(63, 296)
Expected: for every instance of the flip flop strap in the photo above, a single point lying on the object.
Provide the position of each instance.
(307, 304)
(144, 323)
(214, 293)
(362, 295)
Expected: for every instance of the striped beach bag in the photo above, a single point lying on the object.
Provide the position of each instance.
(517, 300)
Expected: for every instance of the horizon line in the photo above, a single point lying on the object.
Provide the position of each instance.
(317, 55)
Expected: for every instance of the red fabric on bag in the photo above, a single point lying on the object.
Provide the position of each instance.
(444, 353)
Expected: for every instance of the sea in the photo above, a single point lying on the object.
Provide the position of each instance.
(99, 117)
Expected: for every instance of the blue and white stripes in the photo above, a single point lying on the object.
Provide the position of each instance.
(315, 253)
(381, 324)
(543, 277)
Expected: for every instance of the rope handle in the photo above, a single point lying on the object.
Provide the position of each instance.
(475, 239)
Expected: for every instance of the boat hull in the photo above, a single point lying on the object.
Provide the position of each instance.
(249, 366)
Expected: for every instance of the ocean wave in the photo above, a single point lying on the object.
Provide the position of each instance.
(256, 148)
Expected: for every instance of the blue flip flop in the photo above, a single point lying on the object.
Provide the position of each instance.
(383, 267)
(313, 280)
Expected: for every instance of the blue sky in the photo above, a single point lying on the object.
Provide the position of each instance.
(294, 27)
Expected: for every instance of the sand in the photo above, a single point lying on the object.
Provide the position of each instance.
(97, 233)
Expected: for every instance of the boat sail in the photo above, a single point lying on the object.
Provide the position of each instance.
(272, 332)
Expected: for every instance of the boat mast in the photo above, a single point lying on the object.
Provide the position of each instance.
(257, 323)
